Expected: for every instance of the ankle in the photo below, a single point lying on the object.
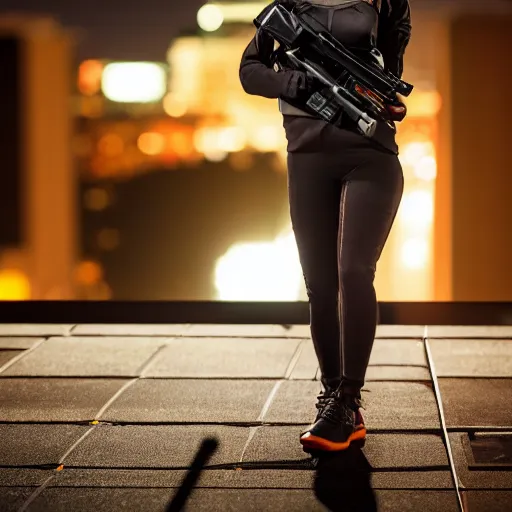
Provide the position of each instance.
(331, 383)
(352, 393)
(351, 388)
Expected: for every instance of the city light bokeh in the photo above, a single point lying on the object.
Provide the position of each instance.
(260, 271)
(133, 82)
(14, 285)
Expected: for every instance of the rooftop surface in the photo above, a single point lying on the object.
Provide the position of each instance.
(110, 417)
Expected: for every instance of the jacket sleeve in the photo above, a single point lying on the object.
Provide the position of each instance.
(394, 33)
(259, 78)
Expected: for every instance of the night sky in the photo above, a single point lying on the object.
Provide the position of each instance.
(115, 29)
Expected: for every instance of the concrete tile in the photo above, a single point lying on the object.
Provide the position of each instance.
(38, 330)
(37, 444)
(275, 444)
(488, 501)
(476, 402)
(12, 498)
(470, 331)
(274, 478)
(236, 331)
(307, 364)
(298, 331)
(389, 405)
(405, 451)
(159, 446)
(406, 352)
(472, 358)
(18, 343)
(473, 478)
(151, 400)
(400, 406)
(22, 477)
(101, 500)
(293, 403)
(276, 500)
(269, 478)
(400, 331)
(77, 357)
(8, 355)
(149, 500)
(397, 373)
(414, 501)
(305, 501)
(412, 480)
(170, 478)
(54, 399)
(223, 357)
(137, 330)
(383, 451)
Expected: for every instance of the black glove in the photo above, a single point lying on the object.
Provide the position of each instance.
(306, 84)
(299, 84)
(397, 110)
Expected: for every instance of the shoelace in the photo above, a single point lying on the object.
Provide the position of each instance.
(323, 398)
(337, 412)
(333, 408)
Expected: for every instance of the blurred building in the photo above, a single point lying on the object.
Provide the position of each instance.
(474, 217)
(38, 227)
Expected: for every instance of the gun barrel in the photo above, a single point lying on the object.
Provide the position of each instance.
(370, 75)
(313, 71)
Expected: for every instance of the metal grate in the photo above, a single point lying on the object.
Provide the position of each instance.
(488, 450)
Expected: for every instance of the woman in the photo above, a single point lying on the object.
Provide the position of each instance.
(344, 192)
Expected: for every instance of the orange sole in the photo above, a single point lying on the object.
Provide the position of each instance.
(317, 443)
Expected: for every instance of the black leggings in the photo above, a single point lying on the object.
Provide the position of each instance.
(342, 207)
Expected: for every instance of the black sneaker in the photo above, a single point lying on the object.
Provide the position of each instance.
(329, 387)
(339, 423)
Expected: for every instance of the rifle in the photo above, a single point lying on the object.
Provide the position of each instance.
(350, 81)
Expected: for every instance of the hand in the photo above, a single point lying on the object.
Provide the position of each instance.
(397, 110)
(306, 83)
(298, 84)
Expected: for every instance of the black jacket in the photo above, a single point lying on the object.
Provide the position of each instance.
(388, 25)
